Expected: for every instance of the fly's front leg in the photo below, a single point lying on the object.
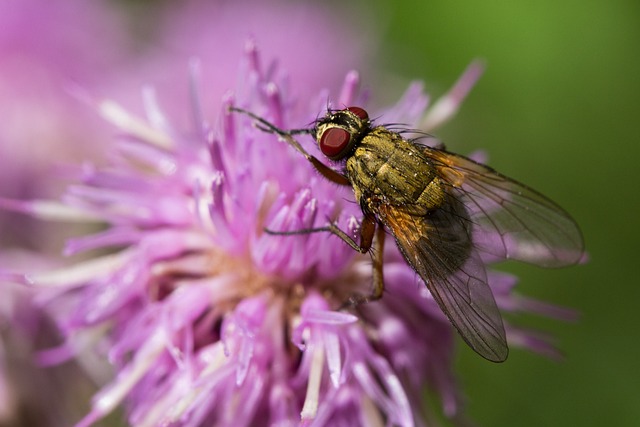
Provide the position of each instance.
(287, 136)
(367, 227)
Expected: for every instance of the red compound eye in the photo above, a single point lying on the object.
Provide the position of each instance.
(360, 112)
(333, 141)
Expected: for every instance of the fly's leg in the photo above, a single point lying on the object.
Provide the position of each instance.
(378, 278)
(287, 136)
(367, 232)
(367, 229)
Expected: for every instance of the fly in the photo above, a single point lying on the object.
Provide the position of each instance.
(443, 210)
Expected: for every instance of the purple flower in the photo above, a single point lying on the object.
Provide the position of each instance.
(310, 40)
(207, 319)
(46, 47)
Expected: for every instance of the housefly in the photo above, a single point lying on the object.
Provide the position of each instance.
(444, 210)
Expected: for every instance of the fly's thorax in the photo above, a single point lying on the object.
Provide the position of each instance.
(388, 168)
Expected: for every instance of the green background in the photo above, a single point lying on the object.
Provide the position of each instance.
(557, 109)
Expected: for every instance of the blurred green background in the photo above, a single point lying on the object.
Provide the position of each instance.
(557, 109)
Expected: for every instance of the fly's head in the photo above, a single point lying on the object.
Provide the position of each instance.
(340, 131)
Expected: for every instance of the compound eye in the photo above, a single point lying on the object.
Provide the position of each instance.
(333, 142)
(360, 112)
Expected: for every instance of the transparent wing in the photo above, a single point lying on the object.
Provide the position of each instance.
(511, 220)
(439, 248)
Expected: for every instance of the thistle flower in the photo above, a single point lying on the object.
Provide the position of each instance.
(207, 319)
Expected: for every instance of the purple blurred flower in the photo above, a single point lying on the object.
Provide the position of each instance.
(210, 321)
(45, 48)
(296, 33)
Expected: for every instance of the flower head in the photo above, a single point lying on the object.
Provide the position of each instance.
(208, 319)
